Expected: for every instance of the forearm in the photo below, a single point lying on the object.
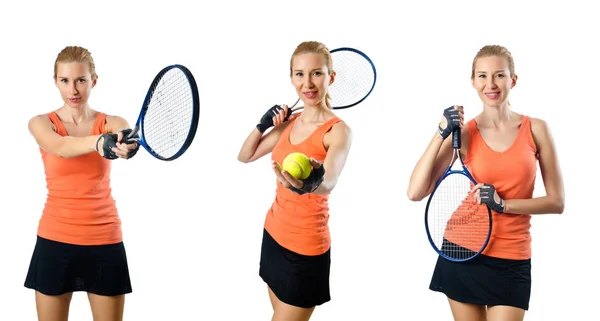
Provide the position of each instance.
(537, 205)
(422, 175)
(76, 146)
(327, 186)
(250, 146)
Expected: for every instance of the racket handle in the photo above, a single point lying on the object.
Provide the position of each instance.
(456, 138)
(134, 131)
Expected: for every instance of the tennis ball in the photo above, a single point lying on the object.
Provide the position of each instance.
(298, 165)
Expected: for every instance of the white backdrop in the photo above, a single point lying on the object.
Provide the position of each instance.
(192, 228)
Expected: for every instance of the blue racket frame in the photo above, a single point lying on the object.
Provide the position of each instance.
(456, 143)
(139, 125)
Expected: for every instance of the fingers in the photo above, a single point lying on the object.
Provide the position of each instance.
(285, 178)
(280, 115)
(315, 163)
(122, 149)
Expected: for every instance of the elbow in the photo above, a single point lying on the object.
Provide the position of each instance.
(560, 206)
(414, 195)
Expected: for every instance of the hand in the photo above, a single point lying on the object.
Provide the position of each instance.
(105, 144)
(309, 185)
(453, 119)
(486, 194)
(275, 116)
(126, 147)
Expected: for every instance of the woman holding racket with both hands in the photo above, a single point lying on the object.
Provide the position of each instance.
(79, 242)
(295, 254)
(501, 149)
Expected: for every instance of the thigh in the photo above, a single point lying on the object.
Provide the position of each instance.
(505, 313)
(467, 311)
(107, 308)
(52, 307)
(285, 312)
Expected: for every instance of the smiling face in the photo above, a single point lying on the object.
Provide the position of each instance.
(311, 78)
(75, 82)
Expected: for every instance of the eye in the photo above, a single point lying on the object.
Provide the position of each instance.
(64, 81)
(481, 76)
(299, 74)
(81, 80)
(318, 73)
(500, 75)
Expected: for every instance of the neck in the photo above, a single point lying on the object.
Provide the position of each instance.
(497, 115)
(314, 113)
(75, 115)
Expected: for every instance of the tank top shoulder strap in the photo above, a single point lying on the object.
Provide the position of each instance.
(527, 133)
(60, 128)
(99, 126)
(317, 136)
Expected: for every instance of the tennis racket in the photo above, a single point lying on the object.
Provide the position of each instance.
(354, 81)
(457, 227)
(169, 117)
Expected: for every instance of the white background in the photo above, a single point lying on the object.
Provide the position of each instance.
(192, 228)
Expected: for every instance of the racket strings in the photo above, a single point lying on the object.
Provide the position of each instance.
(457, 225)
(169, 116)
(354, 78)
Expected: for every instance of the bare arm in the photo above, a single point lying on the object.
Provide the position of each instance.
(339, 140)
(256, 145)
(114, 124)
(41, 128)
(554, 201)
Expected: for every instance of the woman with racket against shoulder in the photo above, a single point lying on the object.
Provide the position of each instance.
(501, 149)
(295, 254)
(79, 242)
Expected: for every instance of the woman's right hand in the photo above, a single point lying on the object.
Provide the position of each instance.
(275, 116)
(452, 119)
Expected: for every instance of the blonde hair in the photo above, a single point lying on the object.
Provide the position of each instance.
(75, 54)
(494, 51)
(318, 48)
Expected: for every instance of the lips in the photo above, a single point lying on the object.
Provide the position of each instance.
(74, 100)
(492, 95)
(310, 94)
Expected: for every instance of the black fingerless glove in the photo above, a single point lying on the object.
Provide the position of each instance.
(486, 193)
(266, 121)
(110, 141)
(312, 182)
(130, 140)
(452, 123)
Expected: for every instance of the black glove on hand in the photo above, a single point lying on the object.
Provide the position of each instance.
(109, 141)
(266, 121)
(452, 122)
(486, 193)
(130, 140)
(312, 182)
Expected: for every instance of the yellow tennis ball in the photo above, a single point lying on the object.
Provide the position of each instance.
(298, 165)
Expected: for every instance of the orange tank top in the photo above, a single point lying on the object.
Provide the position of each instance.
(79, 207)
(512, 172)
(299, 223)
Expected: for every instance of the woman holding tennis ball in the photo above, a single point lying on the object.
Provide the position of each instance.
(295, 254)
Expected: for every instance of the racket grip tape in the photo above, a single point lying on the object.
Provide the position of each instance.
(456, 141)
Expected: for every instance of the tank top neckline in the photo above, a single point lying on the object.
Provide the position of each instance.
(64, 129)
(511, 146)
(289, 134)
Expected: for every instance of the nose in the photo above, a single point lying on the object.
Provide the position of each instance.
(308, 83)
(491, 82)
(74, 90)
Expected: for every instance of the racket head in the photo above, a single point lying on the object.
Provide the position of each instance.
(169, 117)
(457, 227)
(355, 78)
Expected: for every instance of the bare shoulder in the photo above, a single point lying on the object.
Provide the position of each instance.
(540, 131)
(115, 123)
(340, 134)
(39, 121)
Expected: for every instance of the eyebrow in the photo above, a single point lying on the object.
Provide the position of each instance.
(320, 69)
(62, 77)
(497, 71)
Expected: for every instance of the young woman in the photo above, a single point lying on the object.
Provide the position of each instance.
(79, 242)
(295, 255)
(501, 148)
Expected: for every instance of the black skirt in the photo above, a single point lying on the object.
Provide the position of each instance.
(57, 268)
(484, 280)
(298, 280)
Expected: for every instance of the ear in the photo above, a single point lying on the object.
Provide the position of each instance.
(55, 81)
(94, 81)
(473, 82)
(513, 81)
(332, 77)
